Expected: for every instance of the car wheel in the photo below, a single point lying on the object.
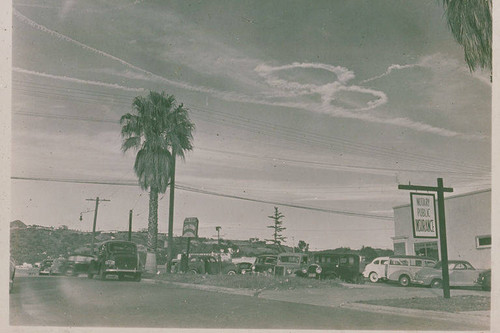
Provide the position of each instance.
(192, 271)
(120, 277)
(90, 275)
(231, 273)
(437, 283)
(137, 277)
(373, 277)
(404, 280)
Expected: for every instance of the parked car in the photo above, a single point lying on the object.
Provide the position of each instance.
(244, 267)
(116, 257)
(484, 280)
(375, 270)
(78, 263)
(265, 264)
(345, 266)
(402, 269)
(58, 266)
(46, 267)
(207, 264)
(461, 272)
(398, 268)
(291, 264)
(12, 274)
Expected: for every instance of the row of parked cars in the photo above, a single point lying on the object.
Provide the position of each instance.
(347, 267)
(424, 271)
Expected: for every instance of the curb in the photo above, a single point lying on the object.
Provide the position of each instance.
(224, 290)
(465, 317)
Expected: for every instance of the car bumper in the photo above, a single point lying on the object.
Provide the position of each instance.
(420, 282)
(120, 270)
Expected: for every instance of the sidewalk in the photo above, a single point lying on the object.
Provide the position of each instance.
(348, 296)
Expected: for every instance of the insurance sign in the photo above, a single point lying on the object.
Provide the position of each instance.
(423, 211)
(190, 228)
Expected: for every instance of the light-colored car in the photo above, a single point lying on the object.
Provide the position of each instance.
(461, 272)
(398, 268)
(402, 269)
(376, 269)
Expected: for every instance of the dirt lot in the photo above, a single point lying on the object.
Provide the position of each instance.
(453, 304)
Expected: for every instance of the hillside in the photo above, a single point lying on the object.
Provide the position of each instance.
(34, 243)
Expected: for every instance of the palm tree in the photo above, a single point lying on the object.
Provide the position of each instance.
(152, 130)
(470, 24)
(179, 136)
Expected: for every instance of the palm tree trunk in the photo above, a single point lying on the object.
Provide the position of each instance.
(171, 213)
(150, 265)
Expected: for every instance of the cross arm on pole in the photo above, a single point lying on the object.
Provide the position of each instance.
(425, 188)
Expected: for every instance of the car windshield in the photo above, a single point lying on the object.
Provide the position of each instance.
(293, 259)
(122, 248)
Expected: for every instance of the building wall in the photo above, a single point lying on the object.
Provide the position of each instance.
(467, 216)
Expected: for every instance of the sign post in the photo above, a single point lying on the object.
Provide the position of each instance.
(190, 230)
(424, 221)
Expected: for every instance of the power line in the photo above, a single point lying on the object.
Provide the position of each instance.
(200, 191)
(257, 126)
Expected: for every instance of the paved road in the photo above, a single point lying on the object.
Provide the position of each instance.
(66, 301)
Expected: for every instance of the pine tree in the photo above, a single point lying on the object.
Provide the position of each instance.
(278, 227)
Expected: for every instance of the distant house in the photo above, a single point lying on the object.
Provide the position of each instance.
(17, 225)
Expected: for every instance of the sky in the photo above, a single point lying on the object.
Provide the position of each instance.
(319, 108)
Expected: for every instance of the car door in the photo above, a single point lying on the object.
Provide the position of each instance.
(460, 275)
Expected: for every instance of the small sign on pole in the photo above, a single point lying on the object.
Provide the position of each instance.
(190, 228)
(423, 214)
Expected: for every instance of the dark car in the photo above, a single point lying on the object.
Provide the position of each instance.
(244, 267)
(46, 267)
(115, 257)
(484, 280)
(346, 267)
(78, 264)
(12, 274)
(265, 264)
(207, 264)
(291, 264)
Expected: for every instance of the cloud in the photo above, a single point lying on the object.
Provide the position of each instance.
(75, 80)
(278, 87)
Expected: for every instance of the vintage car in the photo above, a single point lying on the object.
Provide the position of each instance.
(291, 264)
(399, 268)
(78, 264)
(12, 274)
(484, 280)
(208, 264)
(46, 267)
(118, 258)
(461, 273)
(345, 266)
(402, 269)
(264, 264)
(244, 268)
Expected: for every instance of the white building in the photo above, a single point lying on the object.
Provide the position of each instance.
(468, 230)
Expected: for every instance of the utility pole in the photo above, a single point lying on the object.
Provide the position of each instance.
(442, 227)
(218, 234)
(130, 226)
(95, 219)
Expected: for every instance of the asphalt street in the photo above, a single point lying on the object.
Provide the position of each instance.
(81, 302)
